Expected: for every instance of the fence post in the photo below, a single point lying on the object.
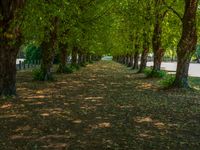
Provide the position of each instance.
(28, 64)
(31, 63)
(20, 65)
(24, 64)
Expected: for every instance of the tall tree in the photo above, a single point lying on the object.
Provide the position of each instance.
(10, 41)
(158, 50)
(187, 44)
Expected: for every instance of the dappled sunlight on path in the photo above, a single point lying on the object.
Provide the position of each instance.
(102, 106)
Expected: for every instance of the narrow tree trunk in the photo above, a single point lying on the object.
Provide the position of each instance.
(144, 56)
(156, 40)
(47, 61)
(84, 58)
(8, 52)
(88, 57)
(80, 58)
(145, 52)
(136, 60)
(63, 59)
(131, 60)
(187, 44)
(74, 56)
(8, 58)
(158, 55)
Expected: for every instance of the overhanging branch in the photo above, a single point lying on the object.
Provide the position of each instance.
(173, 10)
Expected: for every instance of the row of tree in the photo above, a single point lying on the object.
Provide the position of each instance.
(88, 29)
(157, 26)
(65, 27)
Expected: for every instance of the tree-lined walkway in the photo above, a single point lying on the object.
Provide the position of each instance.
(102, 106)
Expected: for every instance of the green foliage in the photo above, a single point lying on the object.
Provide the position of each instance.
(83, 64)
(75, 67)
(147, 71)
(39, 75)
(154, 74)
(32, 52)
(65, 69)
(167, 81)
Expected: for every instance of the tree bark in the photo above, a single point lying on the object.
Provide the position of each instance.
(145, 52)
(47, 61)
(8, 57)
(63, 58)
(88, 57)
(74, 56)
(48, 52)
(157, 34)
(144, 56)
(131, 60)
(8, 52)
(187, 44)
(136, 60)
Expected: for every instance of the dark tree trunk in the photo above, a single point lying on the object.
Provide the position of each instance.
(74, 56)
(131, 60)
(80, 58)
(47, 61)
(8, 53)
(158, 55)
(84, 58)
(128, 58)
(8, 57)
(144, 56)
(136, 60)
(63, 58)
(48, 52)
(187, 44)
(156, 40)
(88, 57)
(145, 52)
(123, 60)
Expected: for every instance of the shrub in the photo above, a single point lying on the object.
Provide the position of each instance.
(90, 62)
(155, 74)
(75, 67)
(38, 75)
(65, 69)
(147, 71)
(83, 64)
(167, 81)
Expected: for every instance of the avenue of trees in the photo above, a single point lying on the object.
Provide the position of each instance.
(87, 29)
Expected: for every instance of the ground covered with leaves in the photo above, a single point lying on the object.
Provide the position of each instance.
(103, 106)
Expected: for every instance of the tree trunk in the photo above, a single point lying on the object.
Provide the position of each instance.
(145, 52)
(131, 60)
(8, 53)
(187, 44)
(74, 56)
(158, 55)
(47, 61)
(136, 60)
(88, 57)
(48, 52)
(80, 58)
(156, 40)
(144, 56)
(8, 58)
(63, 59)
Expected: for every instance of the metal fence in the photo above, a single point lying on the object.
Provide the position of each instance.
(23, 65)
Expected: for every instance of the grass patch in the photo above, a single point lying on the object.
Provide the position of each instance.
(167, 81)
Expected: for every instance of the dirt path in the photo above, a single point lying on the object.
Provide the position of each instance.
(102, 106)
